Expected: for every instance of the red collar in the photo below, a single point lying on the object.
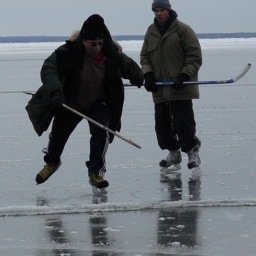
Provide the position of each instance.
(99, 58)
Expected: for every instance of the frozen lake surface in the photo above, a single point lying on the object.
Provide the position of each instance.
(141, 215)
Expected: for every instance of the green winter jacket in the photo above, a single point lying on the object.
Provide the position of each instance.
(178, 51)
(61, 70)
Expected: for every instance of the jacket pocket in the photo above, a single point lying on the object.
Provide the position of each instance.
(152, 48)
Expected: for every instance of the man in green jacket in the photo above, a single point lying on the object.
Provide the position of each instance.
(85, 73)
(171, 52)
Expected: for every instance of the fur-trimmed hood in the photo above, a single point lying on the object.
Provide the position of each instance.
(75, 36)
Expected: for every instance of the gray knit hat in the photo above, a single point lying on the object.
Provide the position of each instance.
(161, 4)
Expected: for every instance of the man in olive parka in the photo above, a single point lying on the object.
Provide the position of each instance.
(171, 53)
(85, 73)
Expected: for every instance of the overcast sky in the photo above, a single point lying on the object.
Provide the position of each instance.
(123, 17)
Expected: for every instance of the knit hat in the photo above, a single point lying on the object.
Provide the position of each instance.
(165, 4)
(92, 28)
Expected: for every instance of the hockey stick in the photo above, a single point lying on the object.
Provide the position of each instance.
(101, 126)
(227, 81)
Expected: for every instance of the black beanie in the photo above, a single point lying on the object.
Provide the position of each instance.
(165, 4)
(92, 28)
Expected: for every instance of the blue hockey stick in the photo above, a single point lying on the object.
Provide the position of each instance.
(228, 81)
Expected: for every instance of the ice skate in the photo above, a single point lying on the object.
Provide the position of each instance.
(98, 184)
(170, 165)
(46, 172)
(193, 157)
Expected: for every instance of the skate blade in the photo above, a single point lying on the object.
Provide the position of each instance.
(99, 191)
(170, 169)
(170, 174)
(196, 173)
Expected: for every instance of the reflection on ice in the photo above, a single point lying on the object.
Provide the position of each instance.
(178, 228)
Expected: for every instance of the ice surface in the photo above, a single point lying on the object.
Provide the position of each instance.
(141, 215)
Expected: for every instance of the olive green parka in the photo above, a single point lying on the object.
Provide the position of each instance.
(177, 51)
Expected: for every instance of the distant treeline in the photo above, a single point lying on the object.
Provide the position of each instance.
(31, 39)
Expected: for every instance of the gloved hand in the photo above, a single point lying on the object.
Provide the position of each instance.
(137, 80)
(57, 97)
(180, 82)
(150, 82)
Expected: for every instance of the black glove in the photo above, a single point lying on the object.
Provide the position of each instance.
(137, 80)
(150, 82)
(180, 82)
(57, 97)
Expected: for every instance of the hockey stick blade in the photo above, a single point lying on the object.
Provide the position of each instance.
(245, 70)
(227, 81)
